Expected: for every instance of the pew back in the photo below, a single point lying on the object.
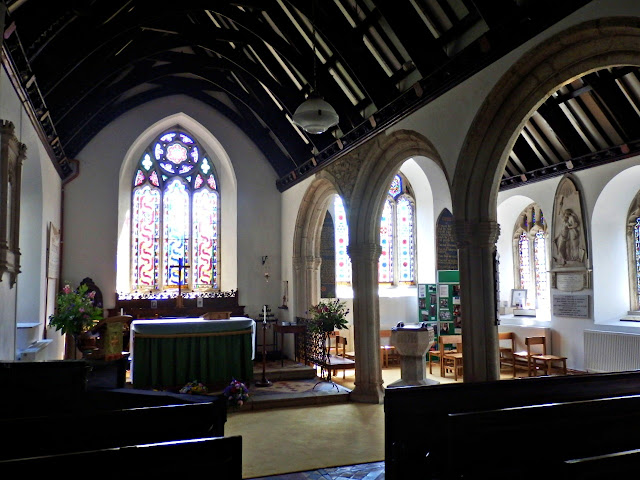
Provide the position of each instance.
(219, 457)
(413, 414)
(94, 430)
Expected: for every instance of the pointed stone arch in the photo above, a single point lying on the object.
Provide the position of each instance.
(362, 178)
(521, 90)
(306, 241)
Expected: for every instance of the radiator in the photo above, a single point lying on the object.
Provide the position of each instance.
(611, 351)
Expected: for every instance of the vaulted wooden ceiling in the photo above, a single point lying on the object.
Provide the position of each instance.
(82, 63)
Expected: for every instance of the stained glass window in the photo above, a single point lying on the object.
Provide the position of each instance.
(343, 262)
(405, 228)
(530, 236)
(175, 217)
(525, 265)
(540, 259)
(385, 264)
(397, 238)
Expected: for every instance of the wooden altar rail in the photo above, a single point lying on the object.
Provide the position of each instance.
(218, 457)
(417, 418)
(60, 433)
(501, 441)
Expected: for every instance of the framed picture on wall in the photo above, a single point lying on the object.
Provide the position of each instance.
(518, 298)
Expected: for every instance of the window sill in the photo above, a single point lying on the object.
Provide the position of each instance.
(385, 291)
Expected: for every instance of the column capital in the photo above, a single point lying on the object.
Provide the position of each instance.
(312, 262)
(364, 251)
(476, 234)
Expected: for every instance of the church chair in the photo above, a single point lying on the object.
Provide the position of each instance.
(536, 359)
(451, 362)
(506, 351)
(387, 352)
(435, 356)
(341, 351)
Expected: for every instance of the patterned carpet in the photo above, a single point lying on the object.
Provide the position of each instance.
(303, 386)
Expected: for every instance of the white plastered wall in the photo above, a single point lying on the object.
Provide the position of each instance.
(607, 192)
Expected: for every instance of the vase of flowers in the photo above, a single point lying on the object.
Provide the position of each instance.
(237, 393)
(75, 313)
(328, 316)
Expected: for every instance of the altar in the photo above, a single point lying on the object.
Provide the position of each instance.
(171, 352)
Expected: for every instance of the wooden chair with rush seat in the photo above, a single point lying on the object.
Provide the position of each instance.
(537, 359)
(434, 356)
(388, 352)
(451, 362)
(507, 341)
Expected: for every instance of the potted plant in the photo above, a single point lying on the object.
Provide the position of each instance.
(75, 312)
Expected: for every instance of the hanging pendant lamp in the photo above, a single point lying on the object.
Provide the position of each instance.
(315, 115)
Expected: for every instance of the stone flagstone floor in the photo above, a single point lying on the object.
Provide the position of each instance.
(365, 471)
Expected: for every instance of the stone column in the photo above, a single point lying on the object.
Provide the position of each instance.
(477, 245)
(366, 322)
(312, 278)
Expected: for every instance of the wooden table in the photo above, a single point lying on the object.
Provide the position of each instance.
(295, 330)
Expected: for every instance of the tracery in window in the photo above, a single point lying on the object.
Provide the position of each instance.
(397, 237)
(175, 216)
(530, 256)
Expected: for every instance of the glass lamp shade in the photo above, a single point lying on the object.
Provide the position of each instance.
(315, 115)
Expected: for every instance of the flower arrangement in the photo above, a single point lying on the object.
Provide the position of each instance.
(236, 392)
(75, 311)
(195, 388)
(328, 316)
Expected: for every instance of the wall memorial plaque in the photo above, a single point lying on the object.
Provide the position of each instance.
(576, 306)
(570, 282)
(446, 247)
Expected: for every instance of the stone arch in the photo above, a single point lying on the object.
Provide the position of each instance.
(362, 177)
(306, 241)
(521, 90)
(382, 159)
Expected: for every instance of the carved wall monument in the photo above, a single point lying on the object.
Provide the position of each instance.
(569, 252)
(12, 154)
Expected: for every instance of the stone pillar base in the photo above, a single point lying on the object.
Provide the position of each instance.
(367, 394)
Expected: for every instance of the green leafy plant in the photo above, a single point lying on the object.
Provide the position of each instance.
(75, 312)
(328, 316)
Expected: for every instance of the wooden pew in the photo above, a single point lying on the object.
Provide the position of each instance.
(502, 441)
(218, 457)
(58, 433)
(416, 417)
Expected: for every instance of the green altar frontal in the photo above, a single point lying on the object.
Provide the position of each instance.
(171, 352)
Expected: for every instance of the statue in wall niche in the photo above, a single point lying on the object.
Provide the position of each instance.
(567, 242)
(569, 246)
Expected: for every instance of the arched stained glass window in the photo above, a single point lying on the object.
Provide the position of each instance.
(385, 264)
(343, 262)
(530, 256)
(405, 221)
(397, 238)
(175, 216)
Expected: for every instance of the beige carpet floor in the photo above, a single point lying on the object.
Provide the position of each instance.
(288, 440)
